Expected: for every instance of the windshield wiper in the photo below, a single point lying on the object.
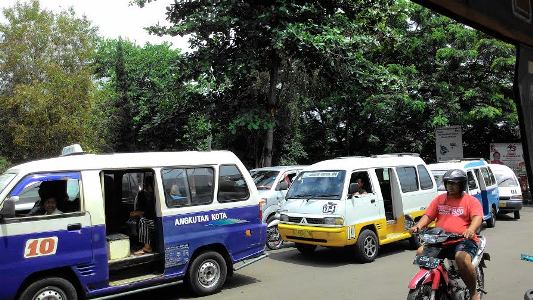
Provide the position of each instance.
(327, 195)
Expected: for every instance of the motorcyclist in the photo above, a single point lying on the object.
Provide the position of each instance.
(457, 212)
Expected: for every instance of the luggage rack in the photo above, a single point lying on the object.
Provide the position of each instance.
(463, 159)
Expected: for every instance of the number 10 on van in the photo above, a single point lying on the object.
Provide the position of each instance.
(40, 247)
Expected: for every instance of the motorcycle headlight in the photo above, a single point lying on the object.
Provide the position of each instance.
(284, 218)
(333, 221)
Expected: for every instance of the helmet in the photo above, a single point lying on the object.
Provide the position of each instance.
(455, 175)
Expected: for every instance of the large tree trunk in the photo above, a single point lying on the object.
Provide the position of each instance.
(271, 105)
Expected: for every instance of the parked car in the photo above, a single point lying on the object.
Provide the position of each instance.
(481, 183)
(272, 184)
(509, 188)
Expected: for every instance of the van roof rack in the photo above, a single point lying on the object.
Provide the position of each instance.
(400, 154)
(355, 156)
(462, 159)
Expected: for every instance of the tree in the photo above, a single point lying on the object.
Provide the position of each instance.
(144, 106)
(45, 81)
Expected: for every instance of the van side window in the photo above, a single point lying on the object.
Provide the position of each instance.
(231, 185)
(486, 177)
(425, 180)
(47, 194)
(362, 181)
(188, 186)
(472, 185)
(408, 179)
(491, 175)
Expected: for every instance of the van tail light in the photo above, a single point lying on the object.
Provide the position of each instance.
(262, 203)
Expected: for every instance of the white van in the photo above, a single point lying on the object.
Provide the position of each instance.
(272, 184)
(356, 201)
(509, 189)
(206, 224)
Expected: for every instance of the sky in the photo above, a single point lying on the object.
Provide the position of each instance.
(116, 18)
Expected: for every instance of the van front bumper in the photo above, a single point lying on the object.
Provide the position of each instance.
(315, 235)
(510, 205)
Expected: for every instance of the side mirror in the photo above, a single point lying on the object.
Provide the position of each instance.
(8, 209)
(282, 186)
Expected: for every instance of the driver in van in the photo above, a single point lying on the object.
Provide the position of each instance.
(360, 186)
(457, 212)
(50, 206)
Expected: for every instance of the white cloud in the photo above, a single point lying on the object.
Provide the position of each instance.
(116, 18)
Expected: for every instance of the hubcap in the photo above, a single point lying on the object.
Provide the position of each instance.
(50, 293)
(369, 246)
(209, 273)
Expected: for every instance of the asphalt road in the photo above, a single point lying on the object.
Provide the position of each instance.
(333, 274)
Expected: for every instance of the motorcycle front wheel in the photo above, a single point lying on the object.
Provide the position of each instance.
(274, 240)
(423, 292)
(480, 278)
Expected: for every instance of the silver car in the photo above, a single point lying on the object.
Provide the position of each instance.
(272, 184)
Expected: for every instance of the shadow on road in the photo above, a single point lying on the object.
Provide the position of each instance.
(331, 257)
(502, 217)
(180, 291)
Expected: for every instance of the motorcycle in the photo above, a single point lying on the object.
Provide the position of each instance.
(274, 240)
(438, 277)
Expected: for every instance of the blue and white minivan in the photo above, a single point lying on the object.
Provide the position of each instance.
(207, 224)
(481, 184)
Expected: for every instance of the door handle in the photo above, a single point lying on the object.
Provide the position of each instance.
(73, 227)
(373, 201)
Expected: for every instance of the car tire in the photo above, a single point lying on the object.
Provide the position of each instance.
(51, 287)
(367, 246)
(491, 222)
(305, 249)
(517, 215)
(207, 273)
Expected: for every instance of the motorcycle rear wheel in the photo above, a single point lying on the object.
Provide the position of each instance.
(423, 292)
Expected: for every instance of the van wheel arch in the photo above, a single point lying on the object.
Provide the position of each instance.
(216, 248)
(64, 273)
(270, 217)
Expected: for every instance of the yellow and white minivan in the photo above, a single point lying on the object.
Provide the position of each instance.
(360, 202)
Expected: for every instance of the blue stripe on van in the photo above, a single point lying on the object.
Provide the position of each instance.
(473, 164)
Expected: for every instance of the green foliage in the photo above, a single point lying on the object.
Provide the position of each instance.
(4, 164)
(46, 91)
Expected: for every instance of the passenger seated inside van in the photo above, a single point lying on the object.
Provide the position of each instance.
(145, 211)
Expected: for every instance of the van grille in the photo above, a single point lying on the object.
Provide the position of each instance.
(309, 220)
(505, 198)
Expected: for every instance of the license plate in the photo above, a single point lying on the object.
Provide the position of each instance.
(302, 233)
(502, 204)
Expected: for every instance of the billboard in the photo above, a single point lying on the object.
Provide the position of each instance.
(509, 154)
(449, 143)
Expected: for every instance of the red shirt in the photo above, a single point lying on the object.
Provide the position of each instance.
(454, 214)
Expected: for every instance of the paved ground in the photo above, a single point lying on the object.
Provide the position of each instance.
(333, 274)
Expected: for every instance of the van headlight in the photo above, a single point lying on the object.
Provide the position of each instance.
(333, 221)
(284, 218)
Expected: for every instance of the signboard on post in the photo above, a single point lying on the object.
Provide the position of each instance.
(449, 143)
(509, 154)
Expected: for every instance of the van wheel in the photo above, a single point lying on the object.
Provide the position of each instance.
(491, 222)
(367, 246)
(305, 249)
(53, 288)
(517, 215)
(207, 273)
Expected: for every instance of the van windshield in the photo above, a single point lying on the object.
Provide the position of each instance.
(264, 179)
(318, 185)
(5, 179)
